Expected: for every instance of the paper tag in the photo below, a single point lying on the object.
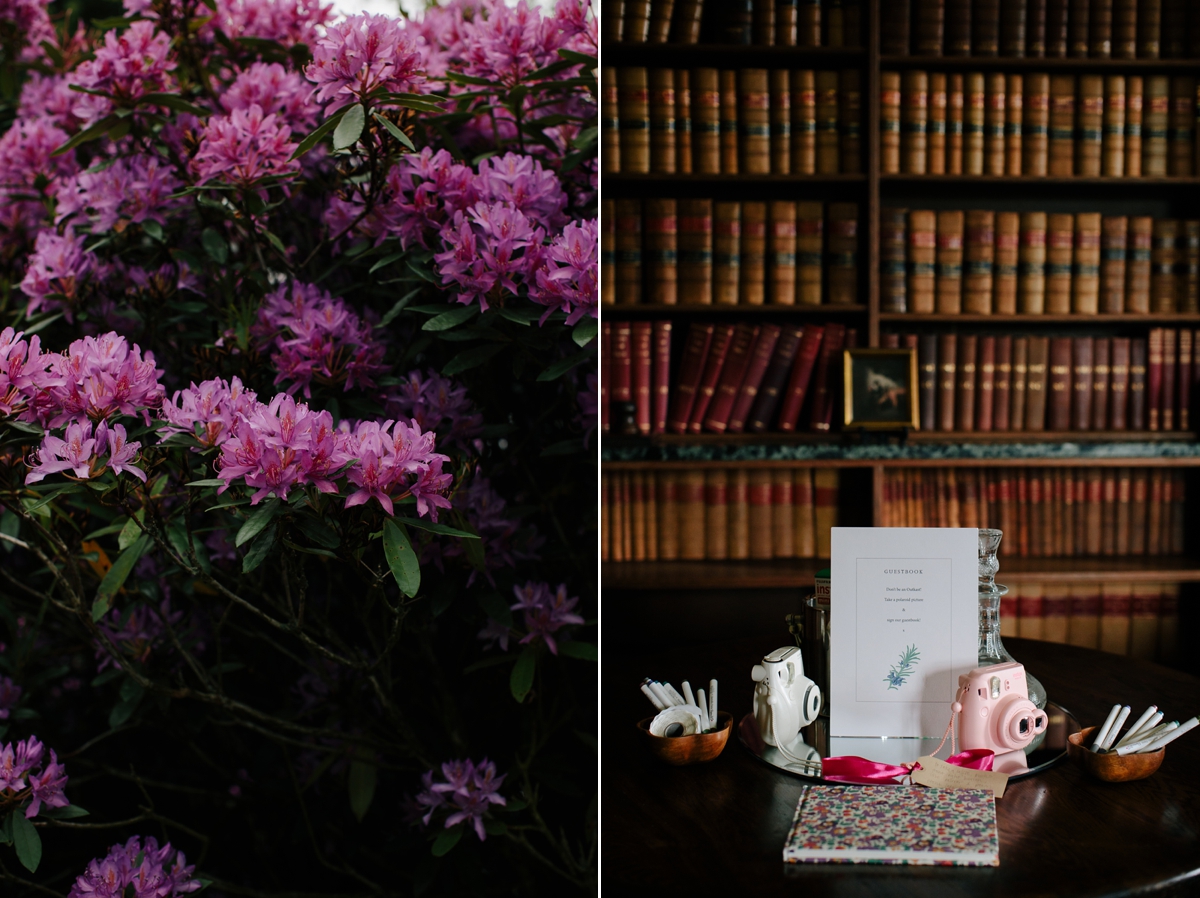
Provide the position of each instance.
(938, 774)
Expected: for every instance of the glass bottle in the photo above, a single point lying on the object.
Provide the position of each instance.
(991, 648)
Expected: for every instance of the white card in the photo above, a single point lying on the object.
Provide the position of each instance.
(904, 624)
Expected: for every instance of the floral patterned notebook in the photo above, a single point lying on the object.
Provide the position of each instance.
(894, 825)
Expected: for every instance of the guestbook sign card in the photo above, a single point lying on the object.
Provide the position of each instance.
(904, 623)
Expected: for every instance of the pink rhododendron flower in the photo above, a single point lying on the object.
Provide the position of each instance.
(131, 190)
(507, 44)
(566, 280)
(57, 269)
(50, 99)
(150, 871)
(29, 175)
(489, 247)
(75, 453)
(546, 612)
(388, 461)
(468, 791)
(276, 91)
(22, 365)
(30, 20)
(129, 65)
(208, 411)
(96, 378)
(244, 147)
(121, 452)
(361, 54)
(289, 22)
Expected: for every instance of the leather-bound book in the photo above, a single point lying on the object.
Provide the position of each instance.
(783, 537)
(1154, 500)
(686, 27)
(759, 495)
(850, 121)
(1168, 620)
(825, 385)
(662, 121)
(608, 252)
(1007, 255)
(1012, 28)
(1162, 265)
(695, 269)
(914, 113)
(726, 259)
(1124, 500)
(606, 366)
(1169, 373)
(1061, 161)
(804, 121)
(889, 341)
(1133, 126)
(1019, 392)
(1082, 375)
(994, 152)
(1085, 284)
(683, 121)
(763, 27)
(706, 120)
(954, 123)
(1064, 483)
(1094, 512)
(1020, 545)
(760, 358)
(1057, 29)
(975, 114)
(1125, 16)
(927, 364)
(895, 17)
(1143, 621)
(729, 121)
(1174, 28)
(753, 254)
(1036, 125)
(825, 512)
(804, 529)
(612, 21)
(711, 375)
(985, 384)
(1187, 257)
(1177, 516)
(1002, 384)
(949, 261)
(1114, 236)
(642, 364)
(1059, 383)
(1112, 155)
(928, 27)
(781, 122)
(828, 162)
(660, 395)
(787, 20)
(935, 162)
(842, 254)
(737, 502)
(1137, 384)
(893, 241)
(1056, 611)
(1101, 375)
(966, 377)
(1116, 600)
(985, 28)
(1037, 383)
(660, 21)
(766, 401)
(1079, 28)
(809, 249)
(922, 257)
(660, 251)
(835, 23)
(980, 254)
(691, 515)
(1138, 264)
(687, 381)
(1031, 269)
(801, 374)
(1100, 29)
(1089, 129)
(1139, 495)
(1155, 126)
(1060, 237)
(610, 121)
(754, 122)
(958, 28)
(637, 509)
(1183, 380)
(1181, 134)
(621, 376)
(716, 515)
(1030, 614)
(633, 103)
(1009, 615)
(808, 28)
(622, 519)
(733, 373)
(637, 21)
(781, 252)
(1014, 122)
(947, 380)
(1035, 29)
(1079, 495)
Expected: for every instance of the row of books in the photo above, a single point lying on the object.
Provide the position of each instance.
(732, 378)
(1037, 124)
(734, 513)
(1099, 29)
(1047, 512)
(1137, 619)
(780, 23)
(980, 261)
(725, 121)
(700, 251)
(1004, 383)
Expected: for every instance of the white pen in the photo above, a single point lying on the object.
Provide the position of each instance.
(1141, 744)
(653, 698)
(688, 698)
(704, 727)
(1102, 733)
(661, 694)
(1184, 727)
(712, 703)
(1116, 728)
(1154, 732)
(1134, 735)
(1140, 722)
(673, 693)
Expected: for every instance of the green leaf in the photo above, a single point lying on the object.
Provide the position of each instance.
(172, 101)
(453, 318)
(561, 367)
(395, 310)
(521, 680)
(401, 558)
(131, 697)
(495, 827)
(362, 787)
(153, 229)
(309, 550)
(385, 261)
(70, 812)
(215, 245)
(322, 129)
(585, 332)
(583, 650)
(516, 804)
(6, 835)
(435, 528)
(95, 132)
(521, 316)
(10, 525)
(475, 556)
(497, 609)
(131, 531)
(319, 532)
(27, 842)
(395, 132)
(215, 481)
(350, 128)
(117, 575)
(259, 549)
(256, 522)
(470, 358)
(564, 447)
(447, 839)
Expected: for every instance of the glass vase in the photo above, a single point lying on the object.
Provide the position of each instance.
(991, 647)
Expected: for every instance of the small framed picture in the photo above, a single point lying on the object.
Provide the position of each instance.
(880, 388)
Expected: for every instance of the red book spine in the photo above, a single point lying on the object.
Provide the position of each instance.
(1059, 382)
(722, 337)
(733, 372)
(985, 385)
(774, 381)
(695, 352)
(1003, 384)
(605, 376)
(662, 372)
(797, 388)
(622, 372)
(643, 339)
(1183, 393)
(827, 369)
(1167, 416)
(760, 358)
(1154, 379)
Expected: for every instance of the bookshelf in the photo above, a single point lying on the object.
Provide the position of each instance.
(864, 462)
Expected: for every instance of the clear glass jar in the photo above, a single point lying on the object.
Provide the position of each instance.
(991, 648)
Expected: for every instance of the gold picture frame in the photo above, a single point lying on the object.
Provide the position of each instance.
(880, 389)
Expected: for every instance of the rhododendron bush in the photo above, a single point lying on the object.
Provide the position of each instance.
(297, 475)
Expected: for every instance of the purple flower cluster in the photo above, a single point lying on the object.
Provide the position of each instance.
(30, 20)
(129, 65)
(440, 404)
(21, 365)
(209, 411)
(289, 22)
(362, 54)
(276, 91)
(29, 176)
(546, 612)
(24, 778)
(502, 539)
(131, 190)
(58, 269)
(315, 336)
(138, 631)
(467, 792)
(566, 279)
(150, 871)
(83, 454)
(245, 147)
(10, 694)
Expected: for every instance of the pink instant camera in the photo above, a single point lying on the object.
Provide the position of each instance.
(997, 714)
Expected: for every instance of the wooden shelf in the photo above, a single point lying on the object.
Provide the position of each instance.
(1082, 320)
(642, 309)
(715, 178)
(973, 437)
(625, 53)
(1027, 180)
(1020, 64)
(841, 461)
(799, 573)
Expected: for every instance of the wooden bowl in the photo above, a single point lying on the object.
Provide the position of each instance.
(680, 750)
(1111, 768)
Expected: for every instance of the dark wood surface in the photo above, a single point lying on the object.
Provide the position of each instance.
(719, 828)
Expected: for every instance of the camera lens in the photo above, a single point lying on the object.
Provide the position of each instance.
(1024, 725)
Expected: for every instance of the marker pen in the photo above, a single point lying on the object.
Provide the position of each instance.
(688, 698)
(1134, 735)
(1184, 727)
(1116, 728)
(712, 702)
(1102, 733)
(1140, 722)
(661, 694)
(704, 724)
(653, 698)
(1141, 744)
(673, 693)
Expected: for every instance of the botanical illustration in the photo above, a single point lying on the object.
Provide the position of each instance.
(903, 669)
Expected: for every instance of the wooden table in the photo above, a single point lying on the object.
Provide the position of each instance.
(719, 828)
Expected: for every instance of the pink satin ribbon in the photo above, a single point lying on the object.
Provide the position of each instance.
(853, 769)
